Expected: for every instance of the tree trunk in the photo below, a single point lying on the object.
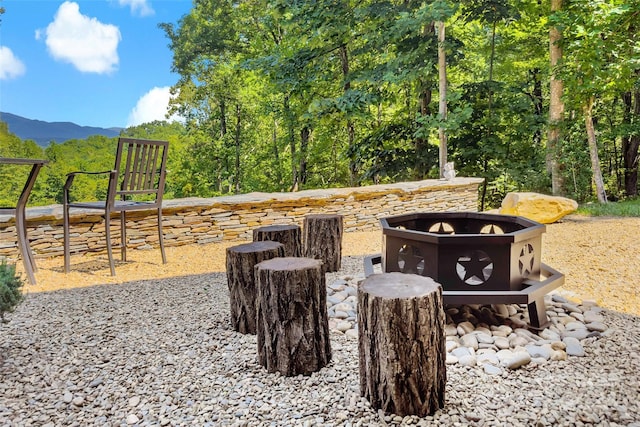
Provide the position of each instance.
(237, 145)
(538, 102)
(276, 153)
(351, 133)
(442, 105)
(492, 58)
(631, 144)
(305, 135)
(421, 144)
(292, 320)
(223, 134)
(556, 107)
(425, 88)
(292, 144)
(223, 119)
(402, 343)
(288, 235)
(240, 263)
(323, 239)
(593, 151)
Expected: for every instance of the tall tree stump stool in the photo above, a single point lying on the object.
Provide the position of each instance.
(292, 323)
(322, 239)
(401, 343)
(241, 261)
(288, 235)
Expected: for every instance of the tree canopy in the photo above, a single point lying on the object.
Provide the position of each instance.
(287, 95)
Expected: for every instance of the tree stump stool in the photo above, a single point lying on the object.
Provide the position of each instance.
(288, 235)
(241, 261)
(292, 321)
(402, 343)
(322, 239)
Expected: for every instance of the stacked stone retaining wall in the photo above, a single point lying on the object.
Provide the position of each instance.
(232, 218)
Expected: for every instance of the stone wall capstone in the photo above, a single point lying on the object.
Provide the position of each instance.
(232, 218)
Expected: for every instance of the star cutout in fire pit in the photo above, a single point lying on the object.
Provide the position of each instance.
(525, 262)
(474, 268)
(410, 260)
(442, 228)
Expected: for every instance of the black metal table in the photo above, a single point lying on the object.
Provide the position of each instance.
(19, 211)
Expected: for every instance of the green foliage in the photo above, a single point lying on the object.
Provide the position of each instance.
(95, 154)
(281, 95)
(10, 289)
(383, 158)
(488, 10)
(603, 55)
(13, 177)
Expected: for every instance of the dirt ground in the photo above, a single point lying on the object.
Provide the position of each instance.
(600, 258)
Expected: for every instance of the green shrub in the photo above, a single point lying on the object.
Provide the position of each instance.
(10, 289)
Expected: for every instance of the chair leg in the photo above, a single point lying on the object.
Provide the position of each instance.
(123, 236)
(23, 242)
(107, 223)
(25, 238)
(65, 215)
(161, 237)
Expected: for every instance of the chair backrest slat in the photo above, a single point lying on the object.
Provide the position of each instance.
(138, 155)
(144, 167)
(147, 179)
(126, 172)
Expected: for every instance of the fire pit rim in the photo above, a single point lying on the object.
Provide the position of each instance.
(530, 227)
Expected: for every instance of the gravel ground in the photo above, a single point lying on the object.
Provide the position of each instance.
(97, 350)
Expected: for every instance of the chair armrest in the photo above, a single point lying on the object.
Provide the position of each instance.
(72, 175)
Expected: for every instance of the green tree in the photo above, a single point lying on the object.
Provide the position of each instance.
(501, 138)
(217, 93)
(600, 62)
(13, 177)
(631, 140)
(556, 104)
(288, 95)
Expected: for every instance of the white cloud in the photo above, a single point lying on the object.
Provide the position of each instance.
(10, 66)
(142, 7)
(152, 106)
(87, 43)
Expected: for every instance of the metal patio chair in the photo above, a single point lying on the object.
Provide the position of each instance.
(135, 183)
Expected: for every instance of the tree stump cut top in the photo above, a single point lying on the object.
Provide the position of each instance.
(262, 246)
(290, 264)
(397, 285)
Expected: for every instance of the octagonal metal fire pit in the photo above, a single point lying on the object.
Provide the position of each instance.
(478, 258)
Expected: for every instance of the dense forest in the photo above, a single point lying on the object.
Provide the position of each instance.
(539, 95)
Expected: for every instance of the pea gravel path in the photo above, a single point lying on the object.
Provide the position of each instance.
(161, 352)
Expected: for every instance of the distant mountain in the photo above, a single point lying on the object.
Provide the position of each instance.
(44, 132)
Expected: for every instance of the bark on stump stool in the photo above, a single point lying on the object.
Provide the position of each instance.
(241, 261)
(292, 322)
(322, 239)
(288, 235)
(401, 343)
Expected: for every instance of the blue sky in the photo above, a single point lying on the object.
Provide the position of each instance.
(101, 63)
